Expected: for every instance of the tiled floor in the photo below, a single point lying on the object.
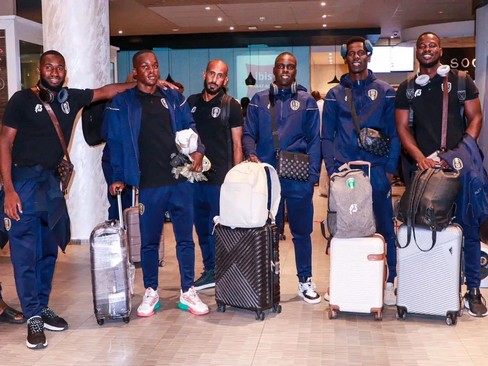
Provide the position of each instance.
(301, 335)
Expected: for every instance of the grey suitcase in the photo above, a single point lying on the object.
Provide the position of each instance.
(429, 281)
(110, 271)
(131, 219)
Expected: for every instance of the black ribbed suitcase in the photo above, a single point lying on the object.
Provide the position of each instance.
(247, 270)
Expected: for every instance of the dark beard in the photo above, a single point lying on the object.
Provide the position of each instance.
(429, 64)
(46, 85)
(211, 92)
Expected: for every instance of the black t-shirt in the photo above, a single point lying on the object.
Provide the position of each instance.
(427, 111)
(156, 141)
(213, 133)
(37, 142)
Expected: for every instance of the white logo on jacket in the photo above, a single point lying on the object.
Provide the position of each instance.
(163, 102)
(193, 110)
(448, 86)
(65, 107)
(215, 112)
(418, 93)
(38, 108)
(372, 94)
(294, 105)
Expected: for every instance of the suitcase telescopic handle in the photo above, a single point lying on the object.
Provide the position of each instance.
(119, 206)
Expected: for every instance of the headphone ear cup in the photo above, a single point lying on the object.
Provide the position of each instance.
(343, 50)
(62, 96)
(273, 89)
(369, 47)
(46, 95)
(294, 87)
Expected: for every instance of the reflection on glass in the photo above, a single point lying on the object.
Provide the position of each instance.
(29, 59)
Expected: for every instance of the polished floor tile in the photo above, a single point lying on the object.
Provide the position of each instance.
(301, 335)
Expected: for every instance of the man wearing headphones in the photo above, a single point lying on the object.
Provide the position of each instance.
(427, 105)
(34, 210)
(373, 101)
(296, 116)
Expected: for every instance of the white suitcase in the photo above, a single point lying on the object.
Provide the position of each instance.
(357, 275)
(429, 282)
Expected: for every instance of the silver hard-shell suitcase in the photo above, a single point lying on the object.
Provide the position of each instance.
(429, 281)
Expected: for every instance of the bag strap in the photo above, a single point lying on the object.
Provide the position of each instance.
(445, 106)
(275, 190)
(353, 109)
(274, 126)
(225, 117)
(55, 122)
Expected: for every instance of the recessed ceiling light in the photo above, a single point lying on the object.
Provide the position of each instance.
(252, 27)
(231, 28)
(219, 19)
(330, 53)
(262, 19)
(207, 8)
(175, 29)
(324, 16)
(324, 25)
(440, 12)
(121, 31)
(278, 26)
(323, 3)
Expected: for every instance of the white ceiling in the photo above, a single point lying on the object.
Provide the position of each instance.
(151, 17)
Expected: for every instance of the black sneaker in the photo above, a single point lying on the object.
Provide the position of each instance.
(36, 338)
(206, 280)
(475, 303)
(52, 321)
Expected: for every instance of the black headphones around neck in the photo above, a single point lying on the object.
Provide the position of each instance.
(48, 96)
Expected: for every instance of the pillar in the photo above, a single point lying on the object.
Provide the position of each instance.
(80, 31)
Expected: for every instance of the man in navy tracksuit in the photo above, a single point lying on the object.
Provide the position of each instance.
(297, 119)
(374, 101)
(142, 123)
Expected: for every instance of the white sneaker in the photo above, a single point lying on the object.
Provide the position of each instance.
(189, 301)
(306, 290)
(327, 296)
(150, 303)
(389, 295)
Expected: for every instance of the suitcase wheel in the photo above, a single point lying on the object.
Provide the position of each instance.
(277, 309)
(332, 314)
(259, 315)
(401, 312)
(451, 318)
(126, 319)
(100, 321)
(221, 307)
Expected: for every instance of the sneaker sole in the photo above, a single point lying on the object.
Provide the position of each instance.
(53, 328)
(36, 346)
(203, 287)
(310, 301)
(146, 315)
(188, 308)
(466, 306)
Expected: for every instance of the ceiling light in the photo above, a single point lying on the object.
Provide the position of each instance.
(324, 25)
(324, 16)
(335, 80)
(278, 26)
(175, 29)
(231, 28)
(219, 19)
(323, 3)
(207, 8)
(262, 19)
(121, 31)
(253, 27)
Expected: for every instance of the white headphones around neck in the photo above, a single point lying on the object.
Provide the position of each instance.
(424, 79)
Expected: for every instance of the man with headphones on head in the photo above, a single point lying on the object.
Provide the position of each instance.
(34, 209)
(373, 101)
(296, 116)
(426, 103)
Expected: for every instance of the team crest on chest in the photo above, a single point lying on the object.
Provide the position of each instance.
(7, 223)
(372, 94)
(194, 109)
(215, 112)
(448, 86)
(38, 108)
(65, 107)
(294, 105)
(457, 164)
(164, 103)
